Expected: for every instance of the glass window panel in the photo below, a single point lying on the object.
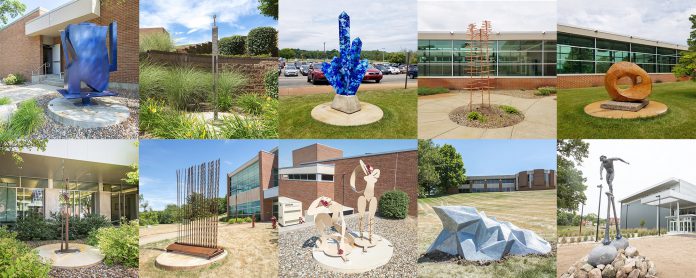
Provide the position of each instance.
(666, 51)
(603, 67)
(519, 57)
(550, 70)
(573, 40)
(642, 48)
(34, 183)
(612, 45)
(9, 181)
(643, 58)
(575, 53)
(550, 57)
(519, 70)
(574, 67)
(648, 67)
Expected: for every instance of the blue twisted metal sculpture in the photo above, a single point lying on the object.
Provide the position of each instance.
(345, 73)
(88, 60)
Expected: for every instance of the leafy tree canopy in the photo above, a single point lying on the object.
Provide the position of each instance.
(269, 8)
(10, 9)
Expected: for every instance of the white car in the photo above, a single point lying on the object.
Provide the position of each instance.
(291, 70)
(393, 70)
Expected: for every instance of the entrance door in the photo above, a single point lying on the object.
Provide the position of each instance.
(47, 60)
(56, 59)
(8, 204)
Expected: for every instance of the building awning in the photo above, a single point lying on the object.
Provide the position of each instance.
(271, 193)
(52, 22)
(669, 198)
(48, 167)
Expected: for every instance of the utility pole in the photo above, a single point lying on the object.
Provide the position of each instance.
(324, 51)
(582, 207)
(408, 65)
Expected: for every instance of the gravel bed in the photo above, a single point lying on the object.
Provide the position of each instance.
(295, 251)
(494, 117)
(99, 270)
(125, 130)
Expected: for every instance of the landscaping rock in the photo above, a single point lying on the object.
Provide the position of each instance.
(595, 273)
(631, 251)
(627, 264)
(587, 267)
(609, 272)
(601, 266)
(634, 274)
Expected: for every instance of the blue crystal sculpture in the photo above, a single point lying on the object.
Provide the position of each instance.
(476, 237)
(346, 72)
(88, 60)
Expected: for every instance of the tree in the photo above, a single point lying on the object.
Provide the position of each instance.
(642, 223)
(451, 168)
(428, 158)
(222, 205)
(234, 45)
(10, 9)
(397, 57)
(691, 41)
(269, 8)
(143, 203)
(687, 60)
(287, 53)
(571, 183)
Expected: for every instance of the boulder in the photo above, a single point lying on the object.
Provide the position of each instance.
(600, 266)
(595, 273)
(634, 274)
(643, 268)
(587, 267)
(620, 274)
(631, 251)
(629, 266)
(609, 272)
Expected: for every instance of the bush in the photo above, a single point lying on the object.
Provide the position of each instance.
(509, 109)
(14, 79)
(393, 204)
(158, 120)
(250, 127)
(28, 118)
(475, 116)
(5, 100)
(270, 83)
(545, 91)
(234, 45)
(92, 238)
(169, 214)
(224, 102)
(79, 227)
(232, 221)
(262, 41)
(18, 260)
(250, 103)
(119, 244)
(149, 218)
(33, 226)
(424, 91)
(156, 41)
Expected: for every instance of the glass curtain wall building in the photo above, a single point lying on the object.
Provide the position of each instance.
(252, 188)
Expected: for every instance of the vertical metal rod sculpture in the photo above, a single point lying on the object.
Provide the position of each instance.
(197, 190)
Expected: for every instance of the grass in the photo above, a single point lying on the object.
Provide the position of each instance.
(156, 41)
(509, 109)
(28, 118)
(678, 122)
(5, 100)
(399, 121)
(476, 116)
(425, 91)
(533, 210)
(545, 91)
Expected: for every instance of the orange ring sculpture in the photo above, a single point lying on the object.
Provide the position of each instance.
(637, 92)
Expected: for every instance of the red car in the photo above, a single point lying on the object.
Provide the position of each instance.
(315, 74)
(373, 74)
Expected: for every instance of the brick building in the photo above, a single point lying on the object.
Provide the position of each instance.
(320, 170)
(537, 179)
(252, 189)
(31, 44)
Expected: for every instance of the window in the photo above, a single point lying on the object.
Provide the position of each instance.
(327, 177)
(246, 179)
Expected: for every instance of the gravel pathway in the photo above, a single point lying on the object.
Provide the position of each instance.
(125, 130)
(296, 260)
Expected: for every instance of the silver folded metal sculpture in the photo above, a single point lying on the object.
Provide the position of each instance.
(477, 237)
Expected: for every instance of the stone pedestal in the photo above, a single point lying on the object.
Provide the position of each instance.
(625, 106)
(346, 104)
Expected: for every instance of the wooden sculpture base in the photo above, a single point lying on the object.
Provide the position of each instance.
(198, 251)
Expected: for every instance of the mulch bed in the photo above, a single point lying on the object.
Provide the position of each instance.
(494, 117)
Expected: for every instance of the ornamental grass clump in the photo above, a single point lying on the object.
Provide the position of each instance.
(476, 116)
(509, 109)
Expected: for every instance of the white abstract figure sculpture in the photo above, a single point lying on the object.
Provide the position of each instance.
(367, 201)
(332, 244)
(476, 237)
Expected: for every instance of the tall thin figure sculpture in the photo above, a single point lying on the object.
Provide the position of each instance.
(367, 200)
(608, 164)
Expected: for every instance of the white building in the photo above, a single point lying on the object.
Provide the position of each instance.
(670, 203)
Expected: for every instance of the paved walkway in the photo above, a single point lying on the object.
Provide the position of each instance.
(21, 93)
(434, 122)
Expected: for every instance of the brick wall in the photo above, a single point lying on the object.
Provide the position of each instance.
(498, 83)
(597, 80)
(20, 53)
(305, 191)
(397, 171)
(253, 68)
(314, 152)
(538, 182)
(126, 14)
(267, 162)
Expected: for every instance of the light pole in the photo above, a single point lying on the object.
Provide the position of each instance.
(599, 207)
(582, 208)
(384, 50)
(658, 215)
(626, 222)
(324, 51)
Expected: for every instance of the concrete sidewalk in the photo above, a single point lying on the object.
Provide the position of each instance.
(434, 122)
(21, 93)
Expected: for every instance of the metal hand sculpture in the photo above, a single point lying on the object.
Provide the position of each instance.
(87, 60)
(367, 201)
(346, 72)
(321, 208)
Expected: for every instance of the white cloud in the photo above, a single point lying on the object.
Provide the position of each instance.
(505, 15)
(664, 20)
(652, 161)
(193, 15)
(307, 24)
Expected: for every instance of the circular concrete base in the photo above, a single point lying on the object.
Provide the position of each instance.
(365, 242)
(653, 109)
(369, 113)
(88, 255)
(358, 261)
(106, 112)
(176, 261)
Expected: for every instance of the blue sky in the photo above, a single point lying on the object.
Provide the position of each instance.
(349, 147)
(191, 21)
(33, 4)
(495, 157)
(159, 160)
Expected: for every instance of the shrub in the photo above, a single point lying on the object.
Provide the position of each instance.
(186, 85)
(149, 218)
(545, 91)
(393, 204)
(250, 103)
(250, 127)
(158, 120)
(262, 41)
(28, 118)
(14, 79)
(151, 80)
(92, 238)
(232, 221)
(234, 45)
(90, 222)
(169, 214)
(247, 219)
(475, 116)
(5, 100)
(119, 244)
(270, 83)
(424, 91)
(509, 109)
(18, 260)
(224, 102)
(34, 226)
(156, 41)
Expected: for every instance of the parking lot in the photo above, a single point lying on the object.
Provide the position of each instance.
(298, 85)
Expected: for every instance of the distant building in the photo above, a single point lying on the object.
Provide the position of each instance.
(672, 203)
(538, 179)
(252, 189)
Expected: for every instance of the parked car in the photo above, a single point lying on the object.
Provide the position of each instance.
(304, 69)
(383, 69)
(315, 74)
(393, 70)
(403, 69)
(413, 71)
(291, 70)
(373, 74)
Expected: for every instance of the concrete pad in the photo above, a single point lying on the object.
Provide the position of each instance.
(533, 130)
(176, 261)
(106, 112)
(22, 93)
(88, 255)
(433, 129)
(653, 109)
(358, 261)
(498, 133)
(369, 113)
(463, 132)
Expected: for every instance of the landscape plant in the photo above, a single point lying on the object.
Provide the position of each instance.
(545, 91)
(34, 226)
(425, 91)
(14, 79)
(270, 83)
(5, 100)
(475, 116)
(18, 260)
(156, 41)
(234, 45)
(262, 41)
(509, 109)
(393, 204)
(119, 244)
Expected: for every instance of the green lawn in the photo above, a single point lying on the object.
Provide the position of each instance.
(399, 107)
(678, 122)
(533, 210)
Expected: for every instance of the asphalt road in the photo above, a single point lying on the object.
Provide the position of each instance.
(301, 81)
